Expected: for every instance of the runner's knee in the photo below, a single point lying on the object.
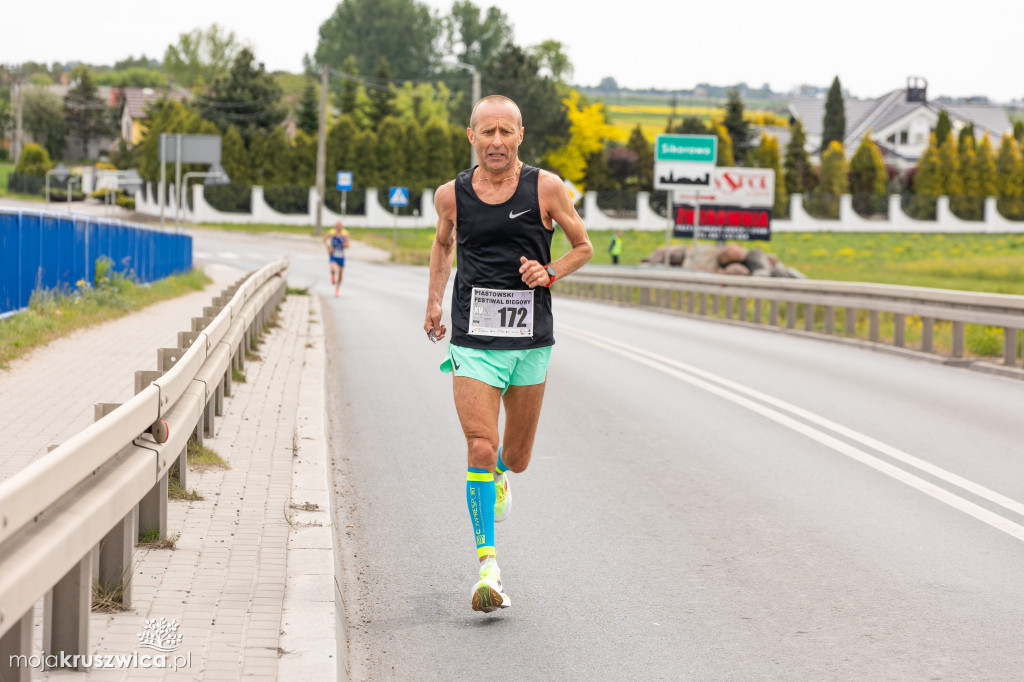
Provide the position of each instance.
(483, 453)
(515, 459)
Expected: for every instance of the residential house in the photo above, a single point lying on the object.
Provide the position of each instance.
(900, 121)
(134, 103)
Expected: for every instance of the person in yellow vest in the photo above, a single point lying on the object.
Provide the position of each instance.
(615, 248)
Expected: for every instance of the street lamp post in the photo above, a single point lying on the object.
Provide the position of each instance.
(476, 95)
(216, 176)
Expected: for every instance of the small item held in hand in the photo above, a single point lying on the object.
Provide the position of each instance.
(432, 335)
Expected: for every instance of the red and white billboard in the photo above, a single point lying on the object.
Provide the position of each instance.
(754, 187)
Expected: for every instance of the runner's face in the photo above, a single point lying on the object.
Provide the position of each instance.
(497, 136)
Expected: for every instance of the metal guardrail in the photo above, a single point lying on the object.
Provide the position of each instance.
(72, 517)
(813, 306)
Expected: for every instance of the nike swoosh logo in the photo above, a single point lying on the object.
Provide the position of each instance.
(455, 363)
(513, 216)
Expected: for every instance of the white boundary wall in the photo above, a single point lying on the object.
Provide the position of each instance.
(594, 218)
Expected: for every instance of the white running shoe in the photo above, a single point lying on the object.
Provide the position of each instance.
(487, 593)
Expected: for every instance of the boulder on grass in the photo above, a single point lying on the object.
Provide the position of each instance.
(658, 257)
(736, 269)
(676, 254)
(731, 253)
(758, 263)
(704, 257)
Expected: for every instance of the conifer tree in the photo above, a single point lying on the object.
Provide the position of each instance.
(347, 95)
(834, 122)
(985, 168)
(234, 157)
(969, 206)
(438, 154)
(952, 179)
(415, 156)
(833, 182)
(364, 165)
(391, 153)
(942, 127)
(737, 127)
(341, 137)
(644, 174)
(799, 174)
(381, 95)
(307, 118)
(868, 177)
(303, 160)
(928, 183)
(1010, 179)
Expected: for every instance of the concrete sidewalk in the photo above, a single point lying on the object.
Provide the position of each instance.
(250, 584)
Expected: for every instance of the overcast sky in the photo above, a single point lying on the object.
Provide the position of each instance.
(961, 48)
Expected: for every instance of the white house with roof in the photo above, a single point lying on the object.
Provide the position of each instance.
(900, 121)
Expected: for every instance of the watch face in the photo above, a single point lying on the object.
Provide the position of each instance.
(551, 271)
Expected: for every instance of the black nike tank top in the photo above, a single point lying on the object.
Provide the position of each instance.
(490, 238)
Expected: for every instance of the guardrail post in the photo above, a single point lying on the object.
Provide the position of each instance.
(790, 315)
(873, 326)
(153, 508)
(645, 295)
(186, 339)
(742, 303)
(116, 551)
(143, 378)
(927, 334)
(703, 303)
(218, 399)
(809, 317)
(958, 339)
(727, 303)
(899, 331)
(758, 305)
(66, 611)
(773, 313)
(850, 324)
(830, 320)
(1010, 346)
(17, 642)
(183, 468)
(168, 357)
(715, 303)
(201, 323)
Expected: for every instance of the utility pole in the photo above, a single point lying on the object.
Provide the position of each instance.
(321, 150)
(19, 106)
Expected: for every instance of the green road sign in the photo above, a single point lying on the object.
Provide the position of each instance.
(687, 148)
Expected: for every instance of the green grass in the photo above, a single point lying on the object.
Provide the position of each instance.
(202, 458)
(55, 313)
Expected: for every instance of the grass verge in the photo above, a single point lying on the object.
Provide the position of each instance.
(202, 458)
(150, 538)
(52, 314)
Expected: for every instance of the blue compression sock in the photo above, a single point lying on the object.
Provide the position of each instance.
(480, 499)
(500, 467)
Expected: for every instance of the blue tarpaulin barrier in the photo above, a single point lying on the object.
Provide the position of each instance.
(42, 250)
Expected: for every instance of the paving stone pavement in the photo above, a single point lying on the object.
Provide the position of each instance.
(250, 583)
(48, 396)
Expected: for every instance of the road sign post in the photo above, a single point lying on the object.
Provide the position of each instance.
(397, 196)
(684, 162)
(344, 184)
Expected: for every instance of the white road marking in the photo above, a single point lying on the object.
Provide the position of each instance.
(734, 392)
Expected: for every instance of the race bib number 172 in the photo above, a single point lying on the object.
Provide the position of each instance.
(493, 312)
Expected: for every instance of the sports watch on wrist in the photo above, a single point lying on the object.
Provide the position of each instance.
(552, 274)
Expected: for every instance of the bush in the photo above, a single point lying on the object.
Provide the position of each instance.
(34, 161)
(289, 199)
(229, 198)
(4, 154)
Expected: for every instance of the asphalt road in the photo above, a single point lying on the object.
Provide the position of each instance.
(705, 502)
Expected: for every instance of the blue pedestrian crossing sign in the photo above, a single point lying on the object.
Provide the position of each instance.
(344, 181)
(398, 196)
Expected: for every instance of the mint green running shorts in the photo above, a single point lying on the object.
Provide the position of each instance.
(499, 368)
